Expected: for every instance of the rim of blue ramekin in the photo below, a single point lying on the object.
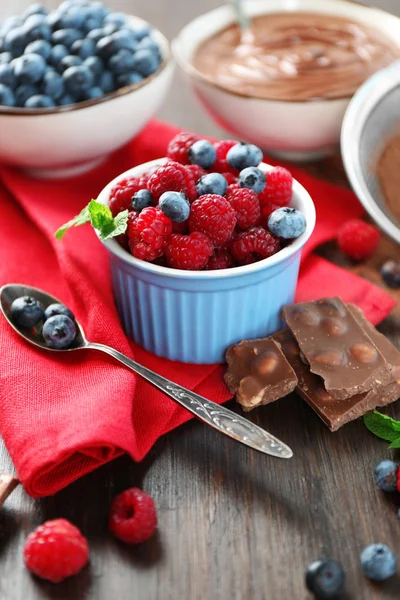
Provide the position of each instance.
(307, 208)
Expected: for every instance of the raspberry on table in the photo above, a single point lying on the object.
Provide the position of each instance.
(189, 252)
(133, 516)
(220, 259)
(56, 550)
(213, 215)
(179, 145)
(246, 206)
(148, 233)
(358, 239)
(221, 150)
(254, 244)
(172, 177)
(278, 190)
(122, 193)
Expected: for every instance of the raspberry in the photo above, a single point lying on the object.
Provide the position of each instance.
(180, 227)
(246, 206)
(148, 233)
(196, 171)
(221, 148)
(56, 550)
(230, 178)
(179, 145)
(254, 244)
(190, 252)
(133, 517)
(278, 190)
(221, 259)
(213, 215)
(358, 239)
(172, 177)
(267, 208)
(121, 194)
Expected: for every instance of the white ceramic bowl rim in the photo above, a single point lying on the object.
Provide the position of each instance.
(166, 59)
(287, 5)
(306, 206)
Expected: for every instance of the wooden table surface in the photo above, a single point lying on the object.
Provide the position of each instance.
(233, 524)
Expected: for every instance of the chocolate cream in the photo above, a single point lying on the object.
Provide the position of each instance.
(295, 56)
(388, 172)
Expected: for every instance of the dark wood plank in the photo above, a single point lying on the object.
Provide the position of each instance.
(233, 524)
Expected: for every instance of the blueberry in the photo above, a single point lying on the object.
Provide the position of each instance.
(287, 223)
(115, 18)
(52, 84)
(212, 183)
(29, 68)
(59, 332)
(325, 579)
(66, 37)
(128, 79)
(386, 475)
(110, 28)
(65, 100)
(58, 53)
(67, 62)
(5, 58)
(93, 93)
(7, 76)
(202, 153)
(175, 205)
(105, 47)
(9, 24)
(378, 562)
(148, 43)
(145, 62)
(106, 82)
(121, 62)
(36, 28)
(35, 9)
(253, 179)
(15, 41)
(90, 24)
(243, 155)
(26, 311)
(78, 80)
(7, 97)
(40, 47)
(123, 38)
(83, 48)
(39, 101)
(95, 34)
(141, 199)
(390, 272)
(98, 10)
(73, 18)
(140, 30)
(23, 92)
(58, 309)
(95, 64)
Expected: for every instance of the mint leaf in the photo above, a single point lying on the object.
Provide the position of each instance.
(116, 227)
(395, 443)
(81, 219)
(382, 426)
(100, 215)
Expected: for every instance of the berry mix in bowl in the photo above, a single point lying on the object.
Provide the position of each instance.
(69, 70)
(204, 246)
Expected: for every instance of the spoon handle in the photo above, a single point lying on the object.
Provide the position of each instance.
(218, 417)
(241, 16)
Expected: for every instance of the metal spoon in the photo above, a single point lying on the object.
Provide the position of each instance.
(219, 417)
(241, 16)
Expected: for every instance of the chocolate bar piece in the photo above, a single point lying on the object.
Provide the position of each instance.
(337, 348)
(333, 412)
(7, 484)
(258, 373)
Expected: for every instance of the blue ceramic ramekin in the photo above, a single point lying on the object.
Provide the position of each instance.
(193, 316)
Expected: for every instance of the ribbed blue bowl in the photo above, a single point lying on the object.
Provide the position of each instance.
(193, 316)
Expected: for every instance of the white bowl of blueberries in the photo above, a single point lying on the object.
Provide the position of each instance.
(76, 84)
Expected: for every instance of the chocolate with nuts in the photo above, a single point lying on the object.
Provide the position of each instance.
(258, 373)
(337, 348)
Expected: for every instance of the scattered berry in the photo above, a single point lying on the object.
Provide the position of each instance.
(189, 252)
(378, 562)
(172, 177)
(246, 206)
(220, 259)
(148, 233)
(253, 179)
(122, 193)
(202, 153)
(358, 239)
(254, 244)
(386, 473)
(59, 332)
(133, 516)
(279, 186)
(325, 579)
(26, 311)
(287, 223)
(56, 550)
(390, 272)
(242, 155)
(179, 146)
(212, 183)
(141, 199)
(175, 206)
(58, 309)
(221, 150)
(214, 216)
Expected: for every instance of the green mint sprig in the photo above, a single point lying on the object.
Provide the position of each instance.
(383, 427)
(101, 218)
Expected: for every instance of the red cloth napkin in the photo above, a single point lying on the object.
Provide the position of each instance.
(61, 418)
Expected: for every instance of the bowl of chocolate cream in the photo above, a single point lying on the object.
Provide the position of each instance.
(285, 82)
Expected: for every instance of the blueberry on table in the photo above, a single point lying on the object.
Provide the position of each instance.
(212, 183)
(40, 47)
(325, 579)
(378, 562)
(29, 68)
(386, 475)
(243, 155)
(59, 332)
(26, 311)
(141, 199)
(7, 76)
(7, 97)
(202, 153)
(253, 179)
(390, 272)
(146, 62)
(287, 223)
(58, 309)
